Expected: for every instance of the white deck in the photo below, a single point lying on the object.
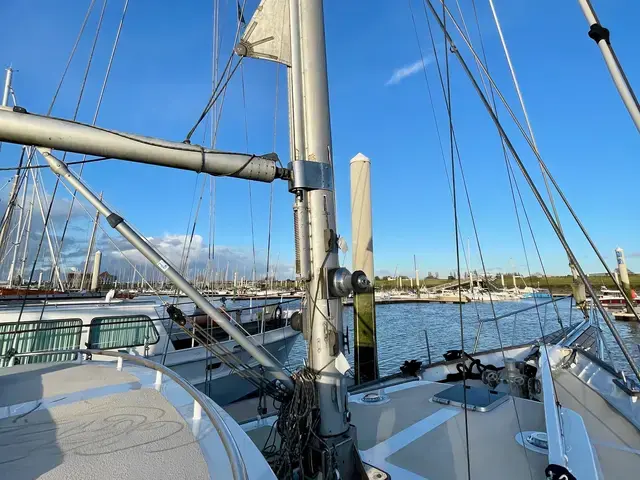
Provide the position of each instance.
(410, 437)
(71, 421)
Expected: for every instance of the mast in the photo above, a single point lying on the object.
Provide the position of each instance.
(54, 262)
(6, 219)
(90, 249)
(330, 384)
(19, 231)
(601, 36)
(415, 267)
(7, 87)
(25, 251)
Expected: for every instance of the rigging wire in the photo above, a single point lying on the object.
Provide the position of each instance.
(468, 40)
(221, 87)
(435, 121)
(36, 167)
(97, 111)
(539, 198)
(246, 139)
(47, 217)
(75, 116)
(483, 264)
(457, 239)
(215, 54)
(71, 55)
(560, 193)
(516, 85)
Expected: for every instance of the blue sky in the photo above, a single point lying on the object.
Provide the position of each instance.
(161, 80)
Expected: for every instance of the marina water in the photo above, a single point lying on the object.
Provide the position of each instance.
(401, 330)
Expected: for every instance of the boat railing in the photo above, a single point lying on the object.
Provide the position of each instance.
(200, 401)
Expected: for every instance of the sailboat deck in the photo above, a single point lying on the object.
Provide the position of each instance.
(615, 439)
(66, 421)
(411, 437)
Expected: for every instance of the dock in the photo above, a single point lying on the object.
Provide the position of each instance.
(623, 316)
(451, 299)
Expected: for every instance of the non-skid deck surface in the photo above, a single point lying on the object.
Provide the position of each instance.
(411, 437)
(616, 441)
(132, 434)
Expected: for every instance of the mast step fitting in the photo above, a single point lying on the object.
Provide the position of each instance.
(308, 175)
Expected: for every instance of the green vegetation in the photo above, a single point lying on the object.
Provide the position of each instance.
(560, 284)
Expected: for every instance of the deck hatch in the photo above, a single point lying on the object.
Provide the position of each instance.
(478, 399)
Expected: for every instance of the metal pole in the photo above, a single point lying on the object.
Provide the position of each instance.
(364, 308)
(90, 249)
(96, 271)
(66, 135)
(624, 275)
(601, 36)
(325, 314)
(159, 262)
(299, 149)
(7, 87)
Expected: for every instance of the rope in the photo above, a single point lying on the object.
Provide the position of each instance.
(296, 424)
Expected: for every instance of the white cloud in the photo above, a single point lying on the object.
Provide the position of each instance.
(400, 74)
(172, 246)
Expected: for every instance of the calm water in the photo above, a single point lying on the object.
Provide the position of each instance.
(401, 330)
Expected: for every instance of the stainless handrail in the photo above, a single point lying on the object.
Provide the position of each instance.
(238, 467)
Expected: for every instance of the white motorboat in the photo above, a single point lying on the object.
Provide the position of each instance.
(142, 327)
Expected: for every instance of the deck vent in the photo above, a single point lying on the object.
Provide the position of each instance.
(534, 441)
(372, 398)
(538, 439)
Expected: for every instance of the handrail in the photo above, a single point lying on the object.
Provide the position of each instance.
(553, 422)
(238, 467)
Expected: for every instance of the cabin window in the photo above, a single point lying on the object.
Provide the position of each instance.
(122, 332)
(42, 336)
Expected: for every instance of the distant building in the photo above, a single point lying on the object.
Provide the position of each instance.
(105, 279)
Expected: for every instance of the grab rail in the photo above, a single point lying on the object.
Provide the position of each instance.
(238, 467)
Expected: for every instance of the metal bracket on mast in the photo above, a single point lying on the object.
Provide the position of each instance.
(306, 175)
(140, 244)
